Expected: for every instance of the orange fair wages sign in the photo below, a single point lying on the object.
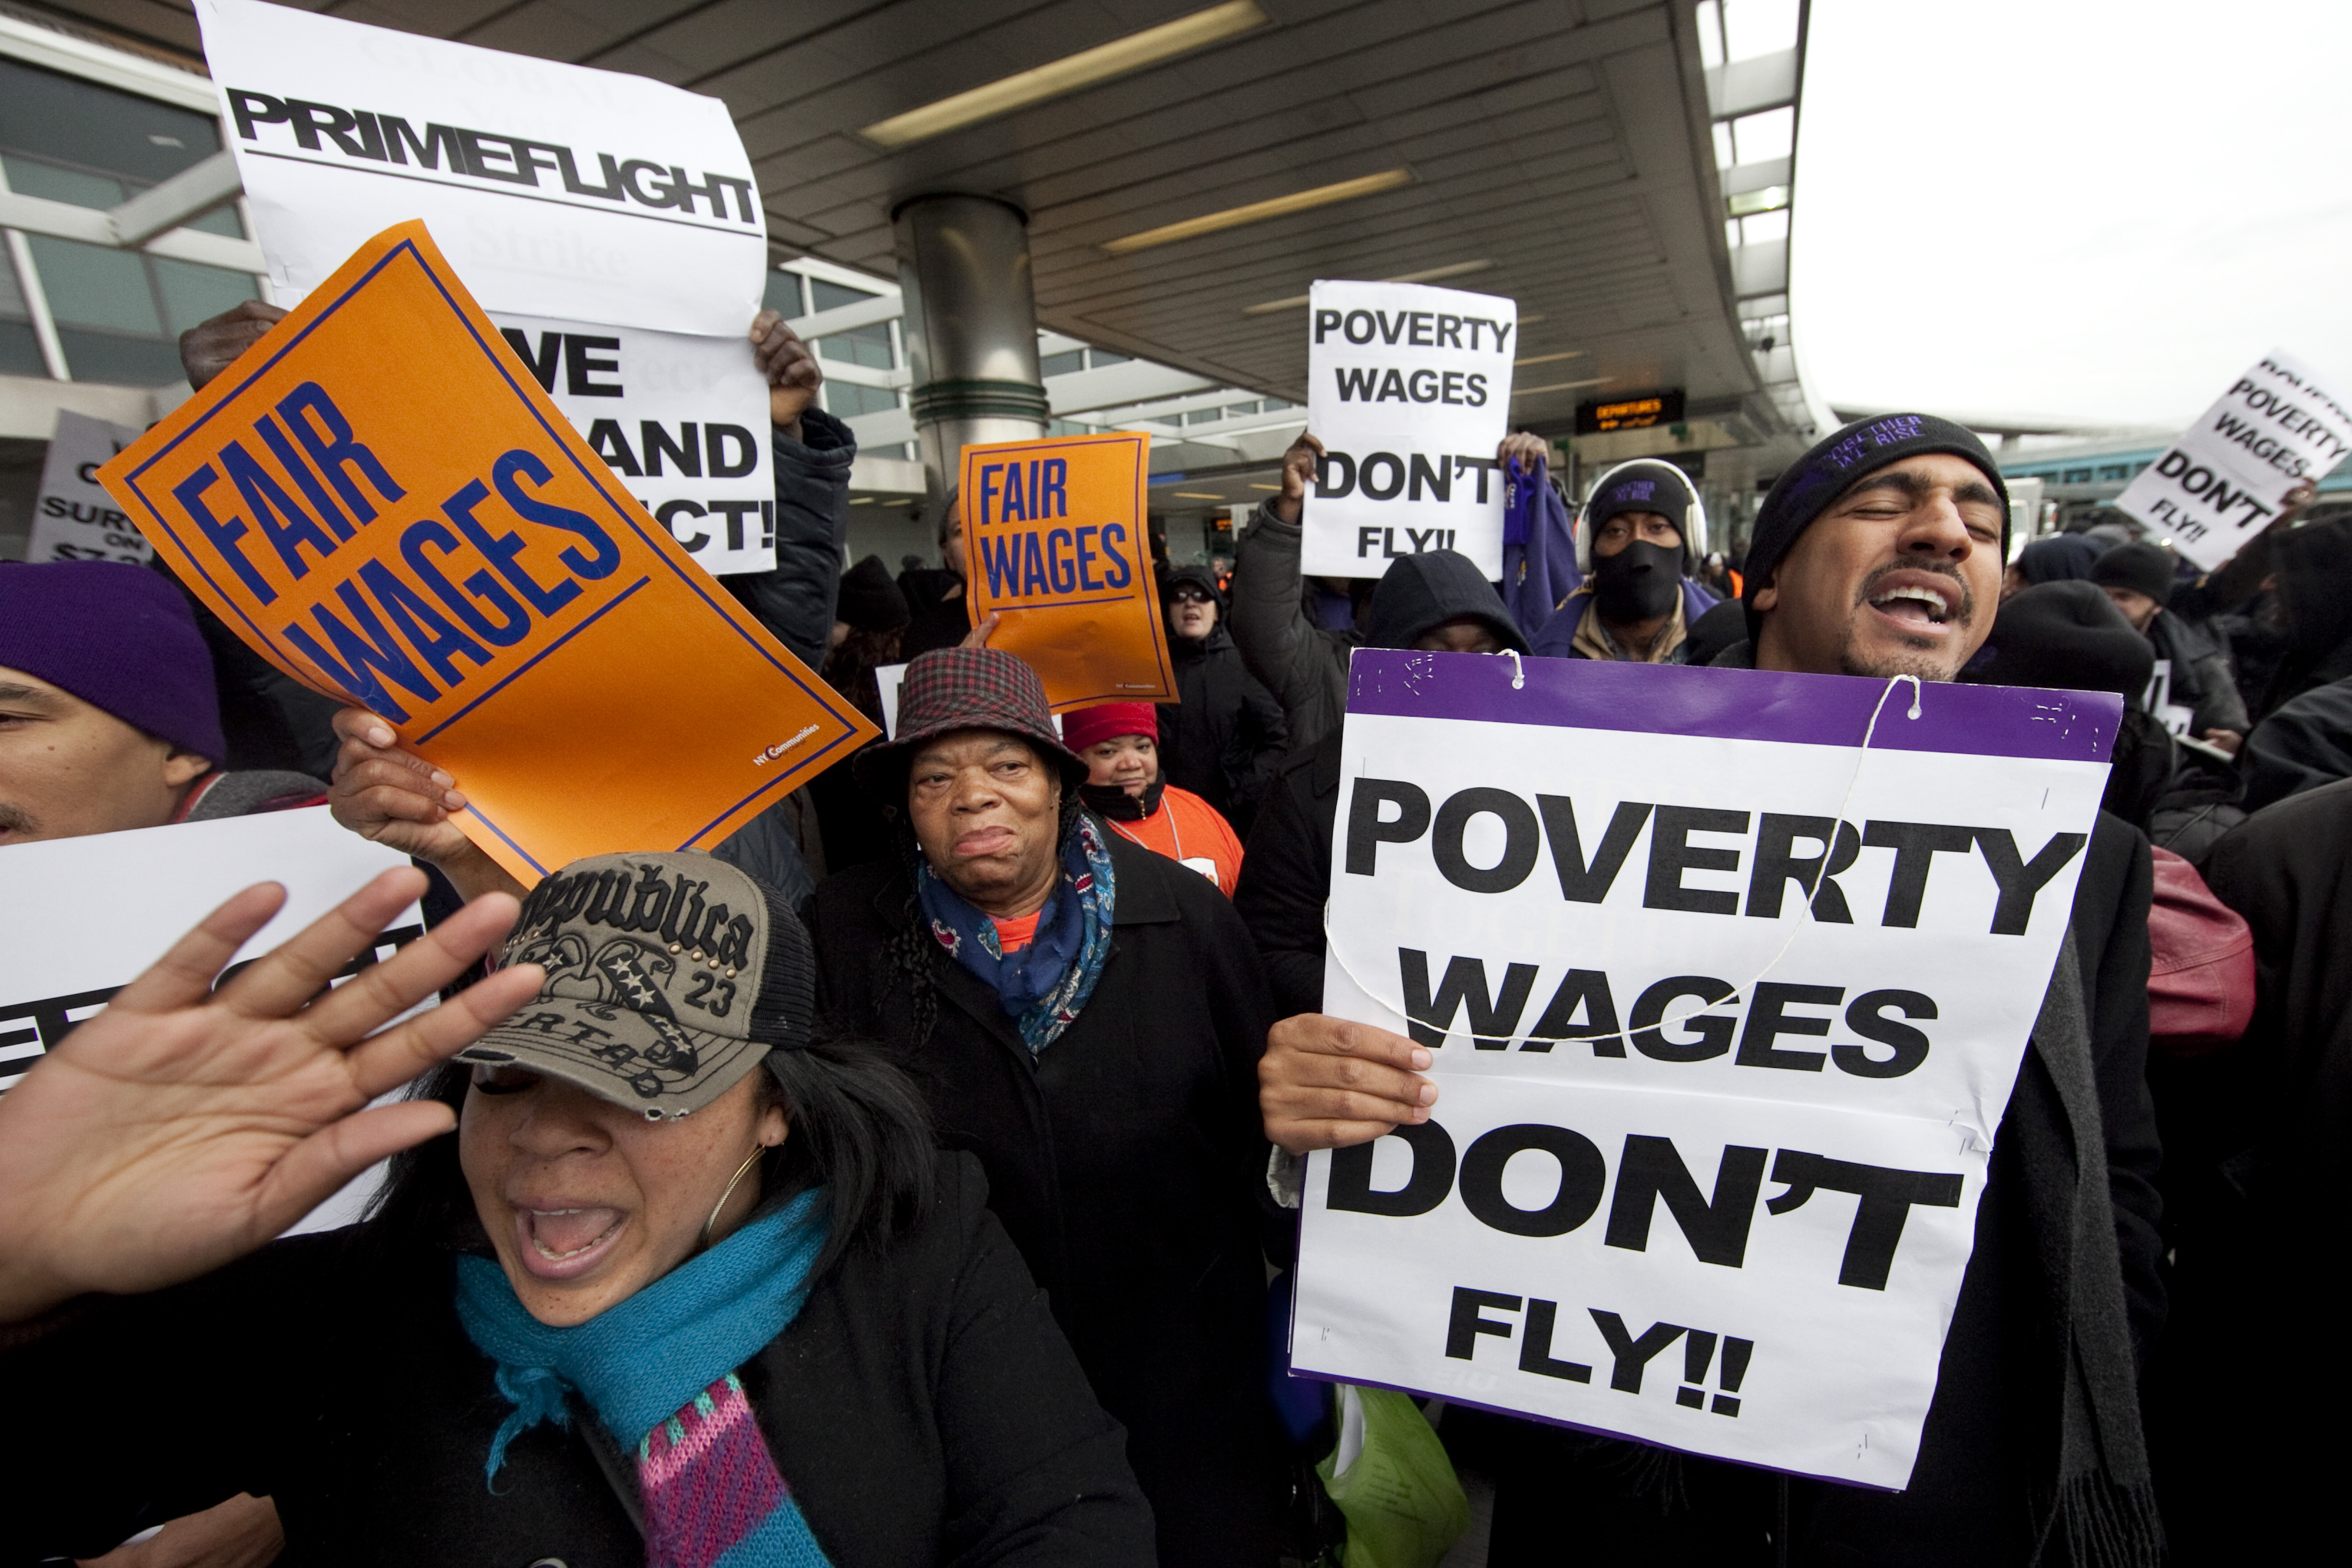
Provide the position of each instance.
(1053, 539)
(379, 498)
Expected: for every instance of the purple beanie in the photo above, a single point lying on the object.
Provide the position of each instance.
(120, 638)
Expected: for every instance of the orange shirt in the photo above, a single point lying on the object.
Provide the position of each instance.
(1191, 832)
(1014, 934)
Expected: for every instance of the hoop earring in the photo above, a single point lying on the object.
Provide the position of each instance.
(748, 1160)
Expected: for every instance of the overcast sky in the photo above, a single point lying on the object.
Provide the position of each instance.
(2079, 208)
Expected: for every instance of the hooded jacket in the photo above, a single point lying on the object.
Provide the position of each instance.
(1281, 897)
(1307, 667)
(1224, 735)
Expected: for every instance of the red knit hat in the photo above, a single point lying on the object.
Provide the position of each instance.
(1107, 720)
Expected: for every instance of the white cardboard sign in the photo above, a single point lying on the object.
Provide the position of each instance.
(1410, 392)
(83, 917)
(682, 421)
(2221, 483)
(1705, 1163)
(73, 517)
(555, 190)
(610, 225)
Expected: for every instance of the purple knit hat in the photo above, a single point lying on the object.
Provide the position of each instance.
(951, 688)
(120, 638)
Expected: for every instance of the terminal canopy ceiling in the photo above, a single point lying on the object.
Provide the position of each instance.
(1556, 151)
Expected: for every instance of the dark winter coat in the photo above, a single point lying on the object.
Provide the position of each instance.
(795, 600)
(2258, 1156)
(1989, 1449)
(1307, 667)
(1126, 1160)
(2306, 743)
(1224, 736)
(923, 1409)
(2201, 678)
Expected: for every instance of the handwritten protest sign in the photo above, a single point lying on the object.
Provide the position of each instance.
(609, 224)
(73, 517)
(1704, 1167)
(1408, 388)
(2223, 481)
(70, 940)
(1053, 537)
(384, 505)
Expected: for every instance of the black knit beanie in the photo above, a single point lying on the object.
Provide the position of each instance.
(1807, 487)
(2069, 636)
(2143, 568)
(869, 600)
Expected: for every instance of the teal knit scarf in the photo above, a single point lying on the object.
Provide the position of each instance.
(660, 1368)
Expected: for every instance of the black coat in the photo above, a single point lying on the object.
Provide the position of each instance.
(1125, 1160)
(1224, 735)
(2259, 1151)
(795, 601)
(922, 1407)
(1990, 1439)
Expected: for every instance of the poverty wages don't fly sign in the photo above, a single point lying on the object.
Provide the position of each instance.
(1053, 542)
(379, 500)
(1727, 976)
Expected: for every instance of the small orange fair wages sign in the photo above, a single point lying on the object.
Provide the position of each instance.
(1053, 539)
(379, 498)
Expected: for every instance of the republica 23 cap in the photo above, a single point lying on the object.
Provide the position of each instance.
(668, 977)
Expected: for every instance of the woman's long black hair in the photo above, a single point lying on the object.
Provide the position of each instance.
(858, 1127)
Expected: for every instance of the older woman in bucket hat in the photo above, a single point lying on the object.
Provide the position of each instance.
(688, 1288)
(1084, 1016)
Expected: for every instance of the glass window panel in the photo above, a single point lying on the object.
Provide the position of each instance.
(1764, 226)
(12, 293)
(97, 128)
(1063, 364)
(192, 293)
(785, 293)
(1753, 28)
(1104, 356)
(868, 346)
(125, 360)
(20, 351)
(1724, 156)
(91, 285)
(31, 177)
(846, 398)
(222, 219)
(1771, 134)
(829, 296)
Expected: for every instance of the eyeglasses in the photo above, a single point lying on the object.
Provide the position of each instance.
(1188, 596)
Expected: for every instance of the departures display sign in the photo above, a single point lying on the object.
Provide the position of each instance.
(1410, 391)
(609, 224)
(1725, 1011)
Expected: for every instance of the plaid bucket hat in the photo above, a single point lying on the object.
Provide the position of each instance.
(668, 978)
(952, 688)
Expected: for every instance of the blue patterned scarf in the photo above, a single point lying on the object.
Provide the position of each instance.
(659, 1367)
(1044, 984)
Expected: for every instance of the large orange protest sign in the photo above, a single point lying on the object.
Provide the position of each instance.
(1053, 539)
(380, 499)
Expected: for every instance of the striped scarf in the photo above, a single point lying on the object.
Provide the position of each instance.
(658, 1367)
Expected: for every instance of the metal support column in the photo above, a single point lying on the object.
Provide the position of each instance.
(971, 327)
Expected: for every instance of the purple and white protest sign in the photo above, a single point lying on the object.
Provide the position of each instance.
(1724, 1010)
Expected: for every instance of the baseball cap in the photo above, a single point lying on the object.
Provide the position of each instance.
(669, 976)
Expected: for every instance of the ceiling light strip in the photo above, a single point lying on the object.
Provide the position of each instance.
(1084, 69)
(1297, 302)
(1258, 211)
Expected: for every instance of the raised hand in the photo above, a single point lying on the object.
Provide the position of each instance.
(210, 347)
(399, 800)
(793, 375)
(180, 1129)
(1530, 449)
(1297, 473)
(1325, 1082)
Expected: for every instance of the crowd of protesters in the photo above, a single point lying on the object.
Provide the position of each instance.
(954, 1243)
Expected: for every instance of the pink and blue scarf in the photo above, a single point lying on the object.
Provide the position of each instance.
(659, 1369)
(1043, 986)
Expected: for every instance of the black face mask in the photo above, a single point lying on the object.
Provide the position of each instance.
(1640, 582)
(1112, 802)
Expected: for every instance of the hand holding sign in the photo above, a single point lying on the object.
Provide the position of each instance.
(178, 1128)
(399, 800)
(1326, 1083)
